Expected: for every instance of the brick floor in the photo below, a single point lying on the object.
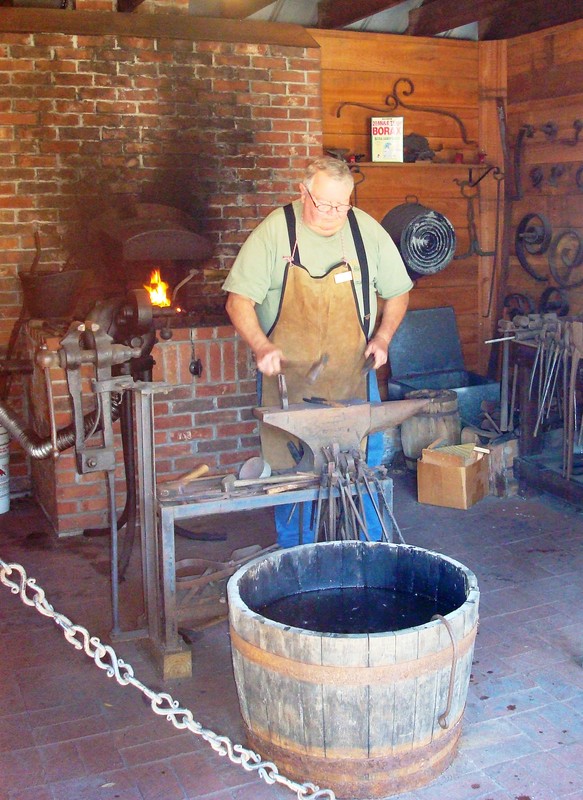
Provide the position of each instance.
(69, 732)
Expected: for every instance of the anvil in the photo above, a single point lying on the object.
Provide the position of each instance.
(346, 425)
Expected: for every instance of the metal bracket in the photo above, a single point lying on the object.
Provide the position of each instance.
(393, 101)
(578, 127)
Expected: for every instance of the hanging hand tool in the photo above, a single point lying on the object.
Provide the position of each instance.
(195, 366)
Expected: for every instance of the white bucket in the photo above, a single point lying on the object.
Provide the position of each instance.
(4, 471)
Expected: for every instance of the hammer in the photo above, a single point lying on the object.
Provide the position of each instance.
(315, 369)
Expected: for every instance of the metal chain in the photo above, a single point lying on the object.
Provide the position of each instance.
(161, 703)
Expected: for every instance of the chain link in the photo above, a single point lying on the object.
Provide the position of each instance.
(161, 703)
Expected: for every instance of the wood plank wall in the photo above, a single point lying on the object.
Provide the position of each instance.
(545, 84)
(363, 68)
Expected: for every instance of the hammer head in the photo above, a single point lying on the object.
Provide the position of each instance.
(228, 484)
(316, 369)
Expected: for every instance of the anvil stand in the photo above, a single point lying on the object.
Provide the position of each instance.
(346, 425)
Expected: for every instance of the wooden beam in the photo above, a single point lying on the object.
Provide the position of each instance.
(528, 17)
(338, 13)
(127, 6)
(169, 26)
(498, 19)
(438, 16)
(228, 9)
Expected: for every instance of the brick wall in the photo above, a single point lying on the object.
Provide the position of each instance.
(218, 128)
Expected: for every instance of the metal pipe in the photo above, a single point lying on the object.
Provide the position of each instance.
(39, 448)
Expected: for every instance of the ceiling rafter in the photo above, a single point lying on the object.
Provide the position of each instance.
(530, 16)
(339, 13)
(228, 9)
(497, 18)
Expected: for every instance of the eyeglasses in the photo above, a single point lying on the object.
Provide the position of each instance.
(328, 208)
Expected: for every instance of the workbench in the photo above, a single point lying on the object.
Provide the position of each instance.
(173, 658)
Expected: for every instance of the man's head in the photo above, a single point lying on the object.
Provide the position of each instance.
(325, 193)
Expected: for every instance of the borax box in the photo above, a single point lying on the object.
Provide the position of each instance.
(387, 138)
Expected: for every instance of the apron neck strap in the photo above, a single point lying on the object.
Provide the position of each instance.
(363, 262)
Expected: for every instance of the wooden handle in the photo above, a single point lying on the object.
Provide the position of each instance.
(198, 472)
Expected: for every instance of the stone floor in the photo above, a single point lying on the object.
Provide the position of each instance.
(69, 732)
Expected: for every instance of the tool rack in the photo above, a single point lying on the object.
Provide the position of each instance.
(537, 466)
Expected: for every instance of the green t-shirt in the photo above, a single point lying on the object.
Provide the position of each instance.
(259, 268)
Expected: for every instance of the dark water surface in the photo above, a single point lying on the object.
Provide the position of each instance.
(354, 609)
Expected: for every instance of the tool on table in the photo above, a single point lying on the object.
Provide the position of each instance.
(230, 482)
(177, 486)
(321, 401)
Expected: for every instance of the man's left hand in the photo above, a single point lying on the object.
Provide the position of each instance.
(378, 347)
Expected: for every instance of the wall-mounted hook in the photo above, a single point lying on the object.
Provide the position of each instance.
(557, 171)
(550, 130)
(536, 177)
(577, 127)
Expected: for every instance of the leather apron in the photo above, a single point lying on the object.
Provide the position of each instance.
(316, 316)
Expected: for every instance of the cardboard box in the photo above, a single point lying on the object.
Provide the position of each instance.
(442, 482)
(386, 139)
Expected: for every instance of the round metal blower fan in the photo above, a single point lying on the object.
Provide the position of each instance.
(425, 238)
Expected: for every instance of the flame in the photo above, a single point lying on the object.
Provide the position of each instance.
(158, 290)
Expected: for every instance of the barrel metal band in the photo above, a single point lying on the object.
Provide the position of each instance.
(358, 675)
(396, 765)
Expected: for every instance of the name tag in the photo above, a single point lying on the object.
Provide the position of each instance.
(342, 277)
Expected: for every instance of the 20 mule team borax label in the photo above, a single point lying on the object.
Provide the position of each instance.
(386, 138)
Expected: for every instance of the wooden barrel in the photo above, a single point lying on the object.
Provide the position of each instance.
(440, 418)
(364, 714)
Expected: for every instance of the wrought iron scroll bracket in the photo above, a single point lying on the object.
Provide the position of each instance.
(394, 101)
(496, 173)
(578, 129)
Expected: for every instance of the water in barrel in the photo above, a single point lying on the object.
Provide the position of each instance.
(354, 609)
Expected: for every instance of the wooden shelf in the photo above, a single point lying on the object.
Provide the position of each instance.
(484, 169)
(439, 164)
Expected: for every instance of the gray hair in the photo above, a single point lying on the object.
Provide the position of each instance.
(335, 168)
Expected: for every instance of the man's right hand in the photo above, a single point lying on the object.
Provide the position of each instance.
(241, 311)
(268, 359)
